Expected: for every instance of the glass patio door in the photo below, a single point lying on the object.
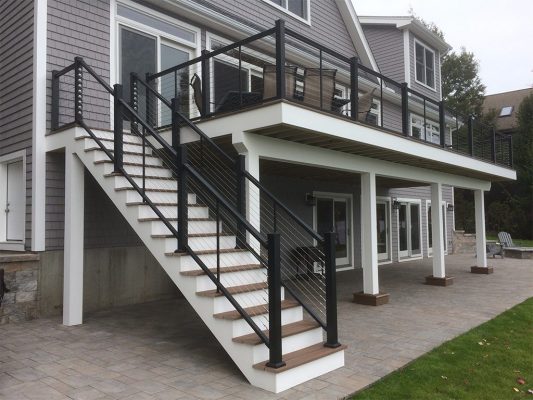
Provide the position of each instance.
(332, 215)
(409, 230)
(383, 227)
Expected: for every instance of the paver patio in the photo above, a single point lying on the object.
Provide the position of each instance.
(163, 351)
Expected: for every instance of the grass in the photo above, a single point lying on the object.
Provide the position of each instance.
(483, 363)
(517, 242)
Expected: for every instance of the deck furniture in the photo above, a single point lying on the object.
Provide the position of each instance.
(269, 81)
(505, 239)
(234, 100)
(317, 94)
(365, 105)
(196, 84)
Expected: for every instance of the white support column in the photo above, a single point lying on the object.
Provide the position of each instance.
(481, 243)
(437, 232)
(369, 244)
(73, 263)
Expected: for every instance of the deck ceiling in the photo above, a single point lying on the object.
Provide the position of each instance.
(314, 138)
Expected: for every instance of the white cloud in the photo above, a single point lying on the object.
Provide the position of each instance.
(498, 33)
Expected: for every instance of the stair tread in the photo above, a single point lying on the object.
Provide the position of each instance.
(286, 331)
(140, 203)
(148, 189)
(223, 270)
(151, 219)
(254, 311)
(162, 178)
(206, 252)
(111, 140)
(192, 235)
(130, 164)
(235, 289)
(131, 153)
(301, 357)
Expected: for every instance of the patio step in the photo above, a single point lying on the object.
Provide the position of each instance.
(295, 328)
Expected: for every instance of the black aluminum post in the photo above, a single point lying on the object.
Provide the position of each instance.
(55, 101)
(175, 109)
(274, 302)
(205, 83)
(405, 109)
(183, 211)
(78, 89)
(331, 290)
(471, 135)
(354, 87)
(240, 165)
(510, 150)
(442, 124)
(493, 145)
(118, 129)
(280, 58)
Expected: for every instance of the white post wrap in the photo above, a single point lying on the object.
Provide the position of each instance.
(481, 242)
(437, 230)
(73, 262)
(369, 244)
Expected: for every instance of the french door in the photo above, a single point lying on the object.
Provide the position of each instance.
(333, 214)
(14, 207)
(409, 229)
(383, 229)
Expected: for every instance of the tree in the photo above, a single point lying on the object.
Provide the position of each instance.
(462, 89)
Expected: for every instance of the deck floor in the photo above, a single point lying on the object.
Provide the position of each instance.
(163, 351)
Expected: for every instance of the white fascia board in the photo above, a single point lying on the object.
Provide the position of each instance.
(351, 21)
(293, 115)
(38, 174)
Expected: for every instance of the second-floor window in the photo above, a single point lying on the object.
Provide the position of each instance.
(299, 8)
(430, 132)
(425, 65)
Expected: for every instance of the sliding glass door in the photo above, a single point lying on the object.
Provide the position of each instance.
(332, 214)
(383, 229)
(409, 229)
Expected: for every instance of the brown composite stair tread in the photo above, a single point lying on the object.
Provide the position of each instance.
(301, 357)
(254, 311)
(207, 252)
(153, 177)
(286, 330)
(130, 164)
(235, 289)
(149, 190)
(192, 235)
(223, 270)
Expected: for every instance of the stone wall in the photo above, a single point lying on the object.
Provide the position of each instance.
(21, 278)
(464, 243)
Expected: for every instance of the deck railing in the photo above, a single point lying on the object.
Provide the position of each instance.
(282, 64)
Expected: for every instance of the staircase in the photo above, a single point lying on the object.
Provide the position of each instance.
(231, 285)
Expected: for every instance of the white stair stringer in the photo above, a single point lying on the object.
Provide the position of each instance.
(156, 237)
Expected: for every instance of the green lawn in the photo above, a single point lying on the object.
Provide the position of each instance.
(518, 242)
(482, 364)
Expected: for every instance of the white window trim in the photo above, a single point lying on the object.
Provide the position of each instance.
(293, 15)
(426, 47)
(430, 249)
(349, 197)
(426, 132)
(418, 256)
(4, 160)
(388, 200)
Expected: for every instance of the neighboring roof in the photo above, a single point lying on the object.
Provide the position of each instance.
(351, 21)
(411, 24)
(498, 101)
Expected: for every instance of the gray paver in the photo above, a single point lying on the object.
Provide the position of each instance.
(163, 351)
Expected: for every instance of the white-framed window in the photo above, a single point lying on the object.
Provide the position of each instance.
(424, 65)
(299, 9)
(430, 131)
(429, 234)
(13, 201)
(409, 228)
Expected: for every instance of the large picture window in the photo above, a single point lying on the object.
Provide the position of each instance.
(299, 8)
(425, 65)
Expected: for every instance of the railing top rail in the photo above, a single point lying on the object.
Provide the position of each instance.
(213, 53)
(317, 45)
(378, 75)
(64, 71)
(91, 71)
(423, 96)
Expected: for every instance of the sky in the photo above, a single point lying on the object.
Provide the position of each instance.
(499, 33)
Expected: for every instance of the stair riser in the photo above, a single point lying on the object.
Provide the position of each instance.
(231, 279)
(172, 212)
(250, 299)
(111, 136)
(288, 316)
(203, 243)
(129, 158)
(150, 183)
(159, 228)
(138, 170)
(158, 197)
(226, 260)
(133, 148)
(290, 344)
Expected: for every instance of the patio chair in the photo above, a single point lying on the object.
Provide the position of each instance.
(312, 87)
(365, 105)
(196, 84)
(270, 77)
(3, 288)
(505, 239)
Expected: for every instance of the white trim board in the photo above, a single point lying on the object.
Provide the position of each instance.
(306, 21)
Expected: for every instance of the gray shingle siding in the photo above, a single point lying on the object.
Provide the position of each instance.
(386, 44)
(16, 83)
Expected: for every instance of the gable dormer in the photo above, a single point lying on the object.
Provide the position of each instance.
(407, 51)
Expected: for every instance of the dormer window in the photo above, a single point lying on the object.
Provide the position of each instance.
(506, 111)
(425, 65)
(296, 8)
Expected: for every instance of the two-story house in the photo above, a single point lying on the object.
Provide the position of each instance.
(242, 152)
